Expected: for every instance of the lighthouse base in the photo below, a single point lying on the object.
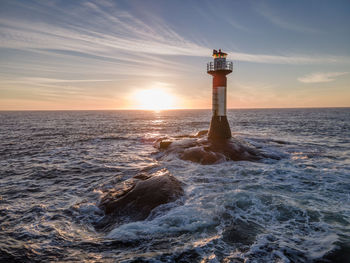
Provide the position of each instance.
(219, 128)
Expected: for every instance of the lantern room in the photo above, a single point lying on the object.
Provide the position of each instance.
(219, 63)
(219, 54)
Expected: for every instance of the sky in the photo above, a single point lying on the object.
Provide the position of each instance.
(139, 54)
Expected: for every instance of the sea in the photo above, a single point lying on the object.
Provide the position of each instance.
(55, 167)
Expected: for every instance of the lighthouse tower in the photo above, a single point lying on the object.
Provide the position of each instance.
(219, 127)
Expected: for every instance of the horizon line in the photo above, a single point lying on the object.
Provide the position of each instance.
(158, 110)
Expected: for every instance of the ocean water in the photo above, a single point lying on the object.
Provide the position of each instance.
(55, 166)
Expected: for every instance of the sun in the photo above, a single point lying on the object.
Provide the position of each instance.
(153, 99)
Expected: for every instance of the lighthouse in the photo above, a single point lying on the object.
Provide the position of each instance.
(219, 68)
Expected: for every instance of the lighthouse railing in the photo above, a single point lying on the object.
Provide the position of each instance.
(211, 66)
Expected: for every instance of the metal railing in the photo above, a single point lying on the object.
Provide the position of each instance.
(211, 66)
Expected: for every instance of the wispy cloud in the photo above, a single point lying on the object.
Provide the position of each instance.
(209, 11)
(275, 18)
(321, 77)
(37, 81)
(71, 51)
(117, 34)
(284, 59)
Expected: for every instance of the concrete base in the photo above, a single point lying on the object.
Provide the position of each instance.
(219, 128)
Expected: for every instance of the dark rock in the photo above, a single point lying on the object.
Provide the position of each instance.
(137, 197)
(340, 254)
(142, 176)
(201, 133)
(164, 144)
(200, 154)
(194, 154)
(205, 151)
(237, 150)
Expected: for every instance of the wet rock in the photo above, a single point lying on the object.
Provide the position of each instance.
(201, 155)
(137, 197)
(164, 144)
(201, 133)
(340, 254)
(204, 151)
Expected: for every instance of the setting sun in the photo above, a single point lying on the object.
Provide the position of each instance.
(153, 99)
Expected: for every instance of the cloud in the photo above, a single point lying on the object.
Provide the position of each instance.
(321, 77)
(284, 59)
(115, 34)
(34, 80)
(277, 20)
(209, 11)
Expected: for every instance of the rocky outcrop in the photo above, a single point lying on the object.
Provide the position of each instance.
(135, 198)
(201, 150)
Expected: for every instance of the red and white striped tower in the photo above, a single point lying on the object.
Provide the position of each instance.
(219, 127)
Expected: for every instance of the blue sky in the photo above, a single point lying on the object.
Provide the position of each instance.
(99, 54)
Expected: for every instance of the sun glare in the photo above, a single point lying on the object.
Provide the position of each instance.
(153, 99)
